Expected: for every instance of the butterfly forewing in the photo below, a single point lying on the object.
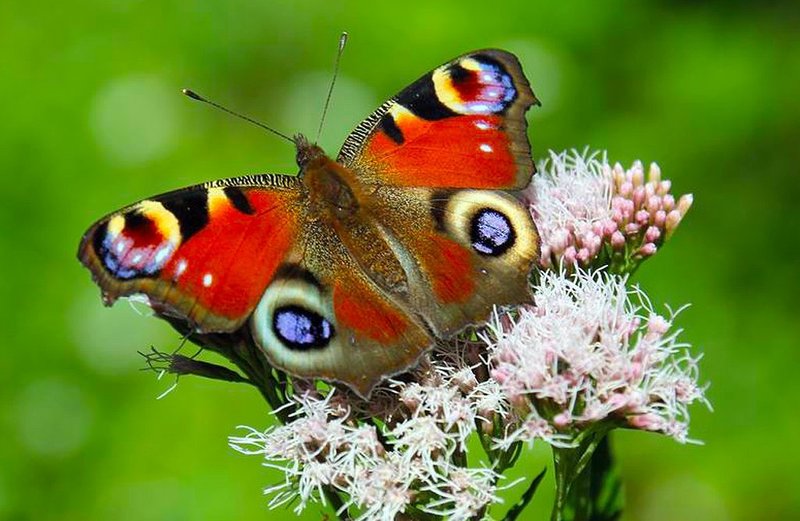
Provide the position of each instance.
(461, 125)
(204, 254)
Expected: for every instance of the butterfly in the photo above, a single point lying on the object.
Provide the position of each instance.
(352, 268)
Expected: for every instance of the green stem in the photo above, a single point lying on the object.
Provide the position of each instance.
(573, 501)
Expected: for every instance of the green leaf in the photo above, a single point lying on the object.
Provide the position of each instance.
(517, 509)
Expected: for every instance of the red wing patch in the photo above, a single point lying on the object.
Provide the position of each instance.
(203, 254)
(451, 270)
(359, 309)
(457, 152)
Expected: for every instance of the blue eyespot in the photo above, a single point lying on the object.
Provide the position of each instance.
(300, 329)
(491, 232)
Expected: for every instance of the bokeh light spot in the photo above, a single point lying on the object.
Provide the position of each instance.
(352, 101)
(108, 339)
(685, 497)
(53, 417)
(134, 119)
(544, 69)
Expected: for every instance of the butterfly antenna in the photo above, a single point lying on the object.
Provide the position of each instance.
(195, 96)
(342, 43)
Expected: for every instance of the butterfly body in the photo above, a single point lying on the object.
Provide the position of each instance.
(352, 268)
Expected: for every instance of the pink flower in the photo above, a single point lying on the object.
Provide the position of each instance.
(592, 350)
(592, 214)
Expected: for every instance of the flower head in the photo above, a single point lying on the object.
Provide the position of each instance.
(592, 214)
(592, 350)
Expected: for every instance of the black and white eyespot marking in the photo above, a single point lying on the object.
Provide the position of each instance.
(294, 271)
(102, 245)
(390, 128)
(421, 99)
(238, 199)
(113, 260)
(191, 210)
(491, 232)
(301, 329)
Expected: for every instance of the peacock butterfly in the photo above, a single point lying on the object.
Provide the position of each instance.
(352, 268)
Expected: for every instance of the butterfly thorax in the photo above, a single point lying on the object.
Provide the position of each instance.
(329, 185)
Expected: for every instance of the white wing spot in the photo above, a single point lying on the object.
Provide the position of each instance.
(207, 279)
(161, 255)
(181, 267)
(485, 148)
(482, 125)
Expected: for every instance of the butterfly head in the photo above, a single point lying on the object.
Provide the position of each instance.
(307, 152)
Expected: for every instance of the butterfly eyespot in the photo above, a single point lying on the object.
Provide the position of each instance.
(300, 329)
(138, 243)
(491, 232)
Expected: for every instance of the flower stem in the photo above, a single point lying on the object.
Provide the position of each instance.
(574, 499)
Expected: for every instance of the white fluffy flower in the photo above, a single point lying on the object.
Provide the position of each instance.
(591, 350)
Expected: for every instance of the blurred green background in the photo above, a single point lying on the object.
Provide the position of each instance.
(91, 119)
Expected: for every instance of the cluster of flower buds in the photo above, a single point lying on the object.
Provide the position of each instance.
(592, 214)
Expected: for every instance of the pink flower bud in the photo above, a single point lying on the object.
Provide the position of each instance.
(660, 218)
(672, 221)
(653, 204)
(631, 228)
(570, 254)
(618, 170)
(652, 234)
(638, 196)
(668, 202)
(637, 173)
(562, 420)
(559, 240)
(616, 401)
(609, 227)
(654, 174)
(626, 189)
(657, 325)
(647, 250)
(642, 217)
(617, 240)
(649, 422)
(684, 203)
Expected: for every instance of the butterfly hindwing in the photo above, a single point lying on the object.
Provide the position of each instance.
(323, 318)
(468, 250)
(203, 254)
(462, 125)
